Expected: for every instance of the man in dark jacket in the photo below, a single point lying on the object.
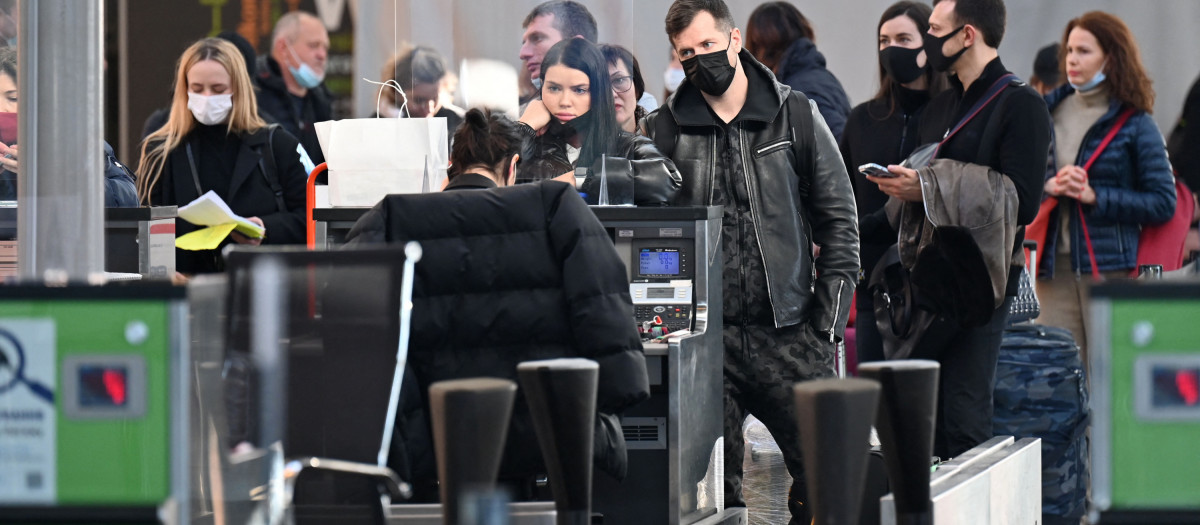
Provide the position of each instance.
(747, 143)
(291, 78)
(1010, 135)
(509, 275)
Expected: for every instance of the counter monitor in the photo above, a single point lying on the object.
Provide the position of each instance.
(658, 262)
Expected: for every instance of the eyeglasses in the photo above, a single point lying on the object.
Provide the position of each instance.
(622, 84)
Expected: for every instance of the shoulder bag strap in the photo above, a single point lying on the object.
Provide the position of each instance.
(1112, 133)
(187, 146)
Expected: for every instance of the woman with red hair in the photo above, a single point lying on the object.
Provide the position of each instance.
(1105, 201)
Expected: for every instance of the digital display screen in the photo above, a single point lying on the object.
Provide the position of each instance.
(659, 262)
(1176, 386)
(103, 386)
(660, 293)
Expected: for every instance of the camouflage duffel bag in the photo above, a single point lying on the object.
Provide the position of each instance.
(1041, 392)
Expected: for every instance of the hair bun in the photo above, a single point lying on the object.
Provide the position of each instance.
(477, 120)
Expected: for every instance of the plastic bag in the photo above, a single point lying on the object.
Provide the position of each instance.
(765, 478)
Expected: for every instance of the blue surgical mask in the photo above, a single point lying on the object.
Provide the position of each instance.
(672, 78)
(304, 75)
(1095, 81)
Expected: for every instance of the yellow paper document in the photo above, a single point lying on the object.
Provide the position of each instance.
(210, 210)
(205, 239)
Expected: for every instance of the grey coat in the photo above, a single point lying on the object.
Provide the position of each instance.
(979, 201)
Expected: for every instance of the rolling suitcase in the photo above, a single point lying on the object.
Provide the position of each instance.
(1041, 392)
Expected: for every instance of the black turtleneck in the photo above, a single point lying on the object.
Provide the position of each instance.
(216, 151)
(883, 131)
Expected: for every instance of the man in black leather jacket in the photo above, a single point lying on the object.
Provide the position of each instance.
(747, 143)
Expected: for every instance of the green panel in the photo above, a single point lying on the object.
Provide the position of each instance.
(110, 462)
(1156, 464)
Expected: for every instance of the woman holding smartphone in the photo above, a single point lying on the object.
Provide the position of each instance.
(883, 131)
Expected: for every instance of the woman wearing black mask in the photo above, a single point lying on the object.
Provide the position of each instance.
(883, 130)
(572, 128)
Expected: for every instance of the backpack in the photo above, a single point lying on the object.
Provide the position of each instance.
(266, 159)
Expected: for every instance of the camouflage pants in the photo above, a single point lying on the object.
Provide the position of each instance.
(761, 365)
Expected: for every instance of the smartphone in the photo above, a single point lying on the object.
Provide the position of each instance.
(875, 170)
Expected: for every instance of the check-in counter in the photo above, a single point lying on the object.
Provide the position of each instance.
(8, 240)
(673, 258)
(140, 240)
(8, 220)
(676, 454)
(332, 225)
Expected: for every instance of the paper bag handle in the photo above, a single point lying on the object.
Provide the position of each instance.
(379, 96)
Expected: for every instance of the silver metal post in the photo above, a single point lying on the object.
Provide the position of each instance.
(60, 223)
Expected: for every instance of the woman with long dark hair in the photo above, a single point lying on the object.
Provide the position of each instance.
(780, 37)
(574, 124)
(883, 130)
(1128, 186)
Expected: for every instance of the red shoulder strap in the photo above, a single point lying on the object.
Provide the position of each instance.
(1121, 119)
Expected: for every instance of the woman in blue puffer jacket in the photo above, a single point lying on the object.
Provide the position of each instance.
(1129, 185)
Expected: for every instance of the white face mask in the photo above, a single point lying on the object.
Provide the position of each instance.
(672, 78)
(210, 110)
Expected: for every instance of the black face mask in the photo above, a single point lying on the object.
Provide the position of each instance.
(565, 130)
(933, 51)
(580, 123)
(901, 63)
(711, 72)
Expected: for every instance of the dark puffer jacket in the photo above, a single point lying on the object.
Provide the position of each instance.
(1134, 187)
(510, 275)
(630, 157)
(803, 68)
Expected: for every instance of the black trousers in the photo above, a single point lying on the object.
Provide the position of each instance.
(761, 365)
(967, 378)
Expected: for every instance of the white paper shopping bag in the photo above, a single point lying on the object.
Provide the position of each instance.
(370, 158)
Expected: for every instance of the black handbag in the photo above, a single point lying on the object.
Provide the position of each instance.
(898, 315)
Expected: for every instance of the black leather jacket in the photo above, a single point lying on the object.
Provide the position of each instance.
(785, 223)
(633, 162)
